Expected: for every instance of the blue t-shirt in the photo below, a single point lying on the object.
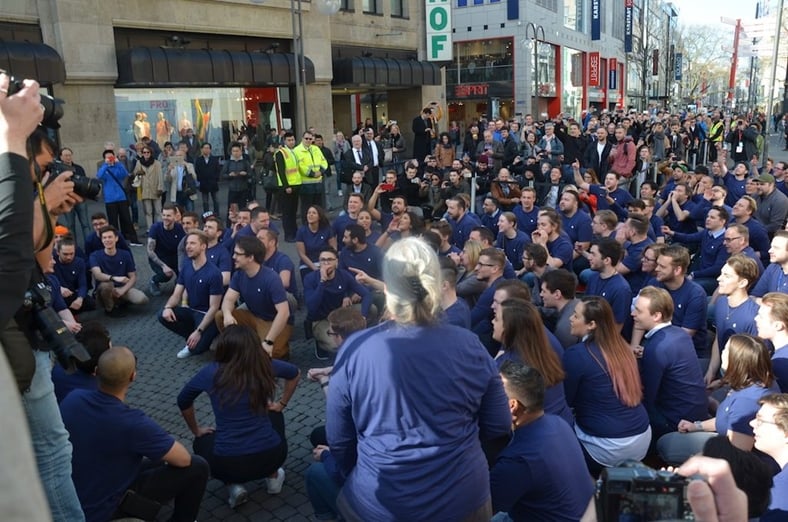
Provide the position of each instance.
(589, 391)
(526, 221)
(458, 314)
(729, 321)
(370, 260)
(261, 293)
(200, 284)
(73, 276)
(461, 229)
(167, 242)
(620, 196)
(577, 227)
(712, 253)
(538, 476)
(778, 507)
(633, 260)
(688, 226)
(120, 264)
(93, 243)
(219, 256)
(737, 188)
(313, 242)
(780, 367)
(655, 230)
(280, 262)
(563, 249)
(490, 221)
(323, 298)
(239, 430)
(615, 290)
(339, 225)
(759, 239)
(513, 248)
(772, 280)
(737, 409)
(65, 383)
(110, 440)
(58, 303)
(690, 312)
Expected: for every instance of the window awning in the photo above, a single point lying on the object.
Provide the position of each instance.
(35, 61)
(390, 72)
(168, 67)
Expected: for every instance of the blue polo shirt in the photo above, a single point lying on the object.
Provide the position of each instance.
(167, 242)
(615, 290)
(689, 311)
(220, 257)
(577, 227)
(513, 248)
(279, 262)
(73, 276)
(314, 242)
(526, 221)
(261, 292)
(120, 264)
(370, 260)
(461, 229)
(200, 284)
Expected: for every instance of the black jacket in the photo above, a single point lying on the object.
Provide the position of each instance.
(593, 161)
(350, 164)
(208, 173)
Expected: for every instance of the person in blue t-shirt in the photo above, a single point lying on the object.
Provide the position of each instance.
(461, 219)
(605, 281)
(770, 427)
(537, 477)
(455, 310)
(248, 442)
(527, 212)
(202, 282)
(631, 266)
(311, 237)
(265, 307)
(775, 277)
(772, 324)
(673, 385)
(118, 449)
(577, 225)
(216, 252)
(71, 271)
(550, 235)
(676, 210)
(163, 239)
(115, 273)
(511, 240)
(280, 263)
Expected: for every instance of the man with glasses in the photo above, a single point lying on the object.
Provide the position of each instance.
(489, 270)
(770, 428)
(737, 241)
(325, 290)
(743, 212)
(265, 307)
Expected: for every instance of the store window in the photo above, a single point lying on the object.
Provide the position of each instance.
(546, 73)
(481, 61)
(372, 6)
(574, 18)
(399, 8)
(572, 81)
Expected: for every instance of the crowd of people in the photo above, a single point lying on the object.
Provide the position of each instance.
(502, 309)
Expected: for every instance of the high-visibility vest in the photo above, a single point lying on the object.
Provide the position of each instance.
(291, 168)
(310, 162)
(716, 128)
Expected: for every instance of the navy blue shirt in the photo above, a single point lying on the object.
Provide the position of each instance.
(729, 321)
(58, 303)
(689, 312)
(261, 293)
(739, 408)
(615, 290)
(673, 386)
(65, 383)
(323, 298)
(772, 280)
(759, 239)
(370, 260)
(736, 188)
(167, 242)
(655, 229)
(201, 284)
(239, 430)
(620, 196)
(577, 227)
(314, 242)
(110, 440)
(712, 254)
(461, 229)
(93, 243)
(482, 312)
(73, 276)
(279, 262)
(513, 248)
(491, 221)
(633, 260)
(563, 249)
(780, 367)
(220, 257)
(458, 314)
(537, 476)
(526, 221)
(688, 226)
(340, 224)
(120, 264)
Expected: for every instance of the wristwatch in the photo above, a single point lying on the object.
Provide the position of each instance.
(698, 426)
(269, 342)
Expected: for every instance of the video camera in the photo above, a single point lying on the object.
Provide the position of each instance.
(634, 492)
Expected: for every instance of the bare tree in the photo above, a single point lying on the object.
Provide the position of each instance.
(704, 59)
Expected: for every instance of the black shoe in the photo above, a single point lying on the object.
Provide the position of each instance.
(290, 240)
(321, 354)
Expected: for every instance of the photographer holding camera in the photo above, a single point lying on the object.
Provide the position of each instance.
(33, 330)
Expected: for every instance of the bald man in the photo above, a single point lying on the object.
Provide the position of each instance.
(124, 464)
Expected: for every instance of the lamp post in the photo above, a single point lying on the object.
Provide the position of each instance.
(535, 29)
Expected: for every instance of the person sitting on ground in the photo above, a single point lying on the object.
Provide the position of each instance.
(311, 237)
(265, 307)
(163, 239)
(124, 464)
(511, 240)
(775, 277)
(770, 428)
(71, 272)
(549, 234)
(202, 282)
(326, 290)
(536, 475)
(115, 272)
(216, 252)
(673, 385)
(248, 442)
(490, 271)
(95, 338)
(748, 372)
(455, 309)
(93, 240)
(635, 232)
(280, 263)
(558, 304)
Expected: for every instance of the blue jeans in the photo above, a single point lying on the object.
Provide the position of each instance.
(135, 210)
(50, 443)
(69, 220)
(186, 321)
(322, 491)
(185, 201)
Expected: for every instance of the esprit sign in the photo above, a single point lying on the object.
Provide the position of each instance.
(439, 46)
(593, 69)
(470, 90)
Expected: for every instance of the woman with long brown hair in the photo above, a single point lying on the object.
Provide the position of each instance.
(518, 326)
(603, 387)
(248, 442)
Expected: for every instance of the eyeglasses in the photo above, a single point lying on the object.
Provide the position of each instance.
(308, 139)
(237, 253)
(729, 239)
(757, 421)
(326, 260)
(650, 260)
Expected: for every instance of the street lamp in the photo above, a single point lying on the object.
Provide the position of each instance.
(536, 30)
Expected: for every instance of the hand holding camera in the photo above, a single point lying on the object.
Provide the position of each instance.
(20, 114)
(59, 193)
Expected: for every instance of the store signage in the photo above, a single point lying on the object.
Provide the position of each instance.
(596, 19)
(629, 8)
(612, 81)
(593, 69)
(471, 90)
(439, 47)
(678, 65)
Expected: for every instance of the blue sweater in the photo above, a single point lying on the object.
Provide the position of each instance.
(712, 254)
(323, 298)
(406, 409)
(540, 475)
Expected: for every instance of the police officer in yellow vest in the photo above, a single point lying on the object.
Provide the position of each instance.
(716, 133)
(289, 182)
(312, 165)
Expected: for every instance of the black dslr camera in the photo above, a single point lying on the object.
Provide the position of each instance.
(38, 299)
(53, 108)
(85, 187)
(636, 493)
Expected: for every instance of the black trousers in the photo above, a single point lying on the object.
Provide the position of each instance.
(119, 216)
(161, 483)
(289, 205)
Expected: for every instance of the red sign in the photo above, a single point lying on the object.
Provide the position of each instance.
(469, 90)
(612, 64)
(594, 68)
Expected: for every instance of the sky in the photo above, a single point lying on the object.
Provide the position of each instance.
(693, 12)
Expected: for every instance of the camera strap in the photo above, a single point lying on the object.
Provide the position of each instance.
(48, 230)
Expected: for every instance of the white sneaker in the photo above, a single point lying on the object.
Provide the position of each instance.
(274, 485)
(238, 495)
(184, 353)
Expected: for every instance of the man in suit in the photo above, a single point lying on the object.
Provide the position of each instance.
(192, 144)
(375, 151)
(207, 168)
(182, 174)
(597, 154)
(422, 134)
(358, 186)
(356, 159)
